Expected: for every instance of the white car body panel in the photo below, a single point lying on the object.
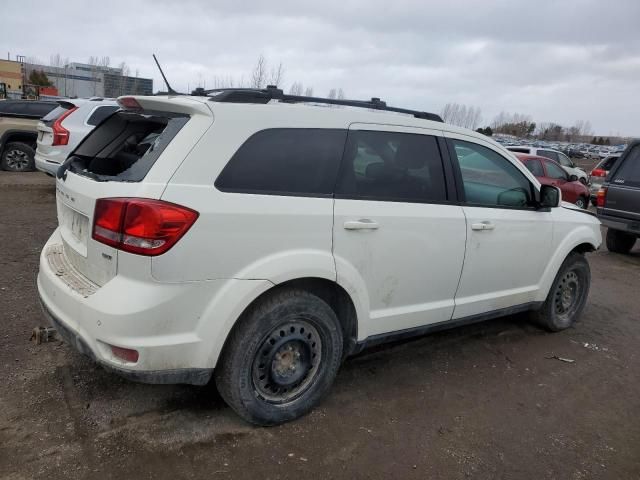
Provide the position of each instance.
(48, 157)
(424, 264)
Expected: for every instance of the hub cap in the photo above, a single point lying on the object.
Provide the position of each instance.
(287, 362)
(567, 294)
(17, 160)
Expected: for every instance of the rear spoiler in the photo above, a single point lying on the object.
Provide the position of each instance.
(178, 104)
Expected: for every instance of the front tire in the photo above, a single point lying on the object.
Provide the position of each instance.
(619, 242)
(567, 296)
(18, 157)
(582, 202)
(281, 358)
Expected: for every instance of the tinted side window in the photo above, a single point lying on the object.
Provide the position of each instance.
(554, 171)
(564, 160)
(100, 113)
(548, 154)
(392, 166)
(629, 171)
(54, 114)
(535, 167)
(285, 161)
(489, 179)
(608, 163)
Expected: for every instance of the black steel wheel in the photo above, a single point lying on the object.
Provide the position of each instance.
(281, 358)
(567, 296)
(287, 362)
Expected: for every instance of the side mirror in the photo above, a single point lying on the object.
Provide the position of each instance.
(550, 196)
(573, 178)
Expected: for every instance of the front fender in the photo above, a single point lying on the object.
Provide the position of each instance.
(579, 235)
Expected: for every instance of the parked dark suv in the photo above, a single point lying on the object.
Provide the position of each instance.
(618, 201)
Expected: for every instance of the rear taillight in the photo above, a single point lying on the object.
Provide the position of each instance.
(601, 196)
(140, 225)
(61, 134)
(598, 172)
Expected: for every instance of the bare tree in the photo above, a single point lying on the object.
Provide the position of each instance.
(333, 93)
(124, 73)
(308, 92)
(340, 94)
(461, 115)
(93, 63)
(276, 75)
(296, 88)
(259, 73)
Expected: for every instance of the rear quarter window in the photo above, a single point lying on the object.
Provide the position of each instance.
(628, 173)
(100, 113)
(285, 161)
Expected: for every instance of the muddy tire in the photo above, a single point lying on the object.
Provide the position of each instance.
(582, 202)
(567, 296)
(281, 358)
(619, 242)
(17, 157)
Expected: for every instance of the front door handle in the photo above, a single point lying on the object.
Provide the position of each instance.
(362, 224)
(483, 226)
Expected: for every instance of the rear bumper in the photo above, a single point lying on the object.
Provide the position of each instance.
(45, 165)
(615, 223)
(192, 376)
(178, 329)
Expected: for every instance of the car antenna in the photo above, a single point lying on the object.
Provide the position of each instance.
(170, 90)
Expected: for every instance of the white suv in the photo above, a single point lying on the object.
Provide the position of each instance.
(60, 132)
(260, 238)
(565, 162)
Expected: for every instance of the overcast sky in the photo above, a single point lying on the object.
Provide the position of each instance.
(557, 61)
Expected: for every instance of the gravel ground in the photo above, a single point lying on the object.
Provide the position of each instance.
(483, 401)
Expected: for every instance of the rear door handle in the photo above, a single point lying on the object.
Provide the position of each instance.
(362, 224)
(483, 226)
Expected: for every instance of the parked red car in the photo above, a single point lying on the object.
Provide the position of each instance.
(549, 172)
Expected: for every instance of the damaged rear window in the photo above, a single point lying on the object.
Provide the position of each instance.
(125, 146)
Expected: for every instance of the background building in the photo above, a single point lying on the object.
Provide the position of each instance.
(11, 76)
(84, 80)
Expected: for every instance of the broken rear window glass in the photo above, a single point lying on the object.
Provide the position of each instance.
(125, 146)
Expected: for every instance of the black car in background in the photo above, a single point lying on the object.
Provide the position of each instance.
(618, 201)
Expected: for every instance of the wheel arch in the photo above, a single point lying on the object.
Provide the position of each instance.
(9, 136)
(582, 240)
(329, 291)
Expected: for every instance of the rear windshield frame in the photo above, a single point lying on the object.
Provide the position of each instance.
(78, 161)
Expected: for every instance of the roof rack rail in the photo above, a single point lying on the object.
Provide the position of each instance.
(265, 95)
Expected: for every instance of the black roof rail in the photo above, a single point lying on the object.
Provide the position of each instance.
(265, 95)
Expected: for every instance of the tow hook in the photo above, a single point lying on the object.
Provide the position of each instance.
(43, 335)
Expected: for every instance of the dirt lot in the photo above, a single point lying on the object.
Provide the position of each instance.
(483, 401)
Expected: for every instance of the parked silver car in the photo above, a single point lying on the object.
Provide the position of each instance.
(63, 129)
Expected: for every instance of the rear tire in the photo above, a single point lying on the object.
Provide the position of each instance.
(582, 202)
(619, 242)
(281, 358)
(18, 157)
(582, 180)
(567, 296)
